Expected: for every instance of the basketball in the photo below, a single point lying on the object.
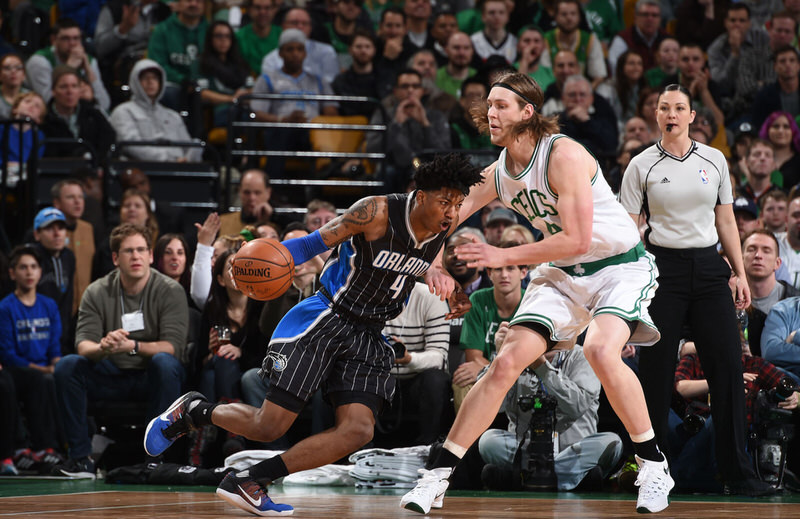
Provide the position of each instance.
(263, 269)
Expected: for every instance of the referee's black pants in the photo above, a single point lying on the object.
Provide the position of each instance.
(693, 289)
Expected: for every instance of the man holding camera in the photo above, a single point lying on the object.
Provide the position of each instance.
(691, 427)
(564, 375)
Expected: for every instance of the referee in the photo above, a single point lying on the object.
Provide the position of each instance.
(683, 190)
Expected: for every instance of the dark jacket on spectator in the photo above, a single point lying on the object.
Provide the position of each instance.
(768, 100)
(57, 283)
(348, 83)
(757, 318)
(598, 134)
(93, 127)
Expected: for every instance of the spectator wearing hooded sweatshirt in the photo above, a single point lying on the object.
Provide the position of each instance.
(143, 118)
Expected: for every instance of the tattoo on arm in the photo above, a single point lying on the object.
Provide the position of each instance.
(352, 222)
(362, 213)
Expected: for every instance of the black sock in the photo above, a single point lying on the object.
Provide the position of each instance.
(445, 458)
(266, 471)
(648, 450)
(200, 412)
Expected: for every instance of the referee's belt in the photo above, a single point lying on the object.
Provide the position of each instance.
(587, 269)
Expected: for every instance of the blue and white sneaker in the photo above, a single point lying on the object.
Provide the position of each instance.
(171, 425)
(250, 495)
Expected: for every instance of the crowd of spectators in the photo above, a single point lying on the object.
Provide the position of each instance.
(143, 308)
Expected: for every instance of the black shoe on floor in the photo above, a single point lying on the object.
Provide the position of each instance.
(751, 487)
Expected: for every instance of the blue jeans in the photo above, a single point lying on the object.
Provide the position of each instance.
(220, 379)
(693, 464)
(254, 388)
(603, 449)
(79, 380)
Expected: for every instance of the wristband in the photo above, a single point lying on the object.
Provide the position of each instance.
(135, 350)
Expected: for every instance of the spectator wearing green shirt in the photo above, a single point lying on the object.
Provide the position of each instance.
(342, 28)
(667, 60)
(459, 55)
(488, 318)
(463, 132)
(260, 36)
(176, 45)
(530, 46)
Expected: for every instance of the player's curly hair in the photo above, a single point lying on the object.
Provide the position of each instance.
(453, 170)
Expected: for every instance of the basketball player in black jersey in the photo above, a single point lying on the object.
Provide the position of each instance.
(333, 339)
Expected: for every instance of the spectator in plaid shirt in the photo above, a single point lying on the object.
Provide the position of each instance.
(694, 466)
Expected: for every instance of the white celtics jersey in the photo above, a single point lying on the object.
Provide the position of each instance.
(790, 259)
(529, 194)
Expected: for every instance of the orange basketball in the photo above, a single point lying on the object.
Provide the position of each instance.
(263, 269)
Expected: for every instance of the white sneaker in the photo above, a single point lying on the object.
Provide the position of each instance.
(429, 492)
(654, 484)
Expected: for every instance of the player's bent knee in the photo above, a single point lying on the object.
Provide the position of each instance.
(356, 433)
(601, 355)
(505, 368)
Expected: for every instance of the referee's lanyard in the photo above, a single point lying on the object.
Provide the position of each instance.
(134, 321)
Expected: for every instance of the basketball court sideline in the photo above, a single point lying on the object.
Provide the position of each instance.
(87, 499)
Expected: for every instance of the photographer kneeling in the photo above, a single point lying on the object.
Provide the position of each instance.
(767, 390)
(562, 378)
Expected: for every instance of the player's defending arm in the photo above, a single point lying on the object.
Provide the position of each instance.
(570, 172)
(367, 216)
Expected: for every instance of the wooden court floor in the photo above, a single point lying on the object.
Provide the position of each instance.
(318, 503)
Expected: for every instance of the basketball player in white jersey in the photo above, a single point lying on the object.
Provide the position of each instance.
(594, 273)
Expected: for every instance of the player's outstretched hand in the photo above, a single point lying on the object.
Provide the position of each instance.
(478, 254)
(459, 303)
(440, 282)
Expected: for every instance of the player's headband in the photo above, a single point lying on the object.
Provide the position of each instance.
(509, 87)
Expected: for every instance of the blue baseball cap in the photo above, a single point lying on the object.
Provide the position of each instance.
(47, 216)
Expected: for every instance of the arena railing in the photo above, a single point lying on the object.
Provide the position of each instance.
(243, 144)
(194, 187)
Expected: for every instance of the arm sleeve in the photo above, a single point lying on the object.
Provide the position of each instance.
(261, 87)
(615, 50)
(201, 275)
(595, 61)
(437, 335)
(778, 326)
(56, 328)
(39, 73)
(437, 134)
(473, 330)
(173, 322)
(8, 350)
(157, 51)
(304, 248)
(90, 322)
(575, 386)
(107, 39)
(100, 92)
(631, 191)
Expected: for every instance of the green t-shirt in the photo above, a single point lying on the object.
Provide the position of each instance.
(254, 47)
(469, 21)
(177, 48)
(543, 76)
(447, 83)
(481, 323)
(655, 77)
(604, 18)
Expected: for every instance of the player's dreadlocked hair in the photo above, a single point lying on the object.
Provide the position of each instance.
(452, 170)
